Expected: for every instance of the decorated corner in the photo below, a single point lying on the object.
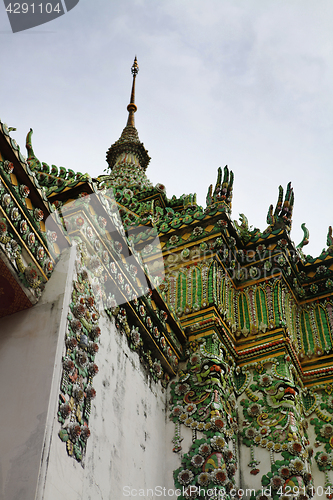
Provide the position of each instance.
(203, 400)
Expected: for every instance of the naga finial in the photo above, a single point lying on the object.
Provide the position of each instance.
(223, 189)
(243, 229)
(281, 217)
(305, 239)
(329, 237)
(33, 162)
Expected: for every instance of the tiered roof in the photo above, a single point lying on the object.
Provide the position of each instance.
(194, 241)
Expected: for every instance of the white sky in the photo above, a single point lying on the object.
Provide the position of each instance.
(244, 83)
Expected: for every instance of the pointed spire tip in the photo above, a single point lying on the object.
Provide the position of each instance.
(131, 108)
(135, 67)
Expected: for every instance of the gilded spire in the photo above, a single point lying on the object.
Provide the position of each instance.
(122, 151)
(131, 108)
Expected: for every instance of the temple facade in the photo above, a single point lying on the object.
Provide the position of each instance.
(151, 347)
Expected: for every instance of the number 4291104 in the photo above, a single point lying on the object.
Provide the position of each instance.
(33, 8)
(295, 491)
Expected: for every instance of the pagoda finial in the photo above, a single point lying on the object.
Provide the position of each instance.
(122, 151)
(131, 108)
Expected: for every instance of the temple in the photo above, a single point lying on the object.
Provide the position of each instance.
(153, 347)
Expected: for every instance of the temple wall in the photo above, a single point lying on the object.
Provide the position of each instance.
(129, 440)
(130, 430)
(30, 359)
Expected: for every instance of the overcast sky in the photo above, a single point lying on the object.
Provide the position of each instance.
(244, 83)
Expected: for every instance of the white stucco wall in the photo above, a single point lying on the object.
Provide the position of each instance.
(127, 449)
(30, 354)
(130, 443)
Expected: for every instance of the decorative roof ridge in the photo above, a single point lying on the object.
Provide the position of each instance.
(51, 178)
(21, 159)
